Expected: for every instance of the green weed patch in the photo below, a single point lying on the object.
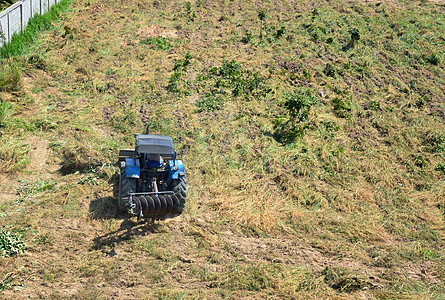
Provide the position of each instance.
(159, 43)
(5, 111)
(10, 243)
(292, 123)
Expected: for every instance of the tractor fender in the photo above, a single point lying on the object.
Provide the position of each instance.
(176, 170)
(132, 168)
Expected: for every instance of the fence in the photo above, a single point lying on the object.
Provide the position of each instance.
(15, 18)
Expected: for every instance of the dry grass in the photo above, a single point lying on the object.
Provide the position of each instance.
(13, 156)
(353, 207)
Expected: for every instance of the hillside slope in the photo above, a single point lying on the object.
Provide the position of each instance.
(313, 136)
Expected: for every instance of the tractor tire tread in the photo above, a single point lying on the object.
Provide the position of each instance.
(126, 186)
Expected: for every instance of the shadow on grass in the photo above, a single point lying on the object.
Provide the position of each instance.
(279, 137)
(128, 230)
(106, 208)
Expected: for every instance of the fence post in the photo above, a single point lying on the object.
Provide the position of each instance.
(2, 36)
(9, 31)
(21, 17)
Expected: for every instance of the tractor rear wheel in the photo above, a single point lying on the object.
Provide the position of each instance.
(126, 186)
(179, 187)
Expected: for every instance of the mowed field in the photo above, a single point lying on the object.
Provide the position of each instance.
(312, 133)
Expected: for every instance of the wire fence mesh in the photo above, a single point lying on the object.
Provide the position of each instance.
(15, 18)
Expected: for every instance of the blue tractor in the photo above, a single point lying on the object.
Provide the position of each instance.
(152, 181)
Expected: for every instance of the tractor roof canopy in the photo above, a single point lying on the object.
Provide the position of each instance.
(154, 144)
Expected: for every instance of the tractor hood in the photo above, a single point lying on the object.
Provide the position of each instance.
(154, 144)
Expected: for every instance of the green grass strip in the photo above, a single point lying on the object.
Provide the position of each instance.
(20, 42)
